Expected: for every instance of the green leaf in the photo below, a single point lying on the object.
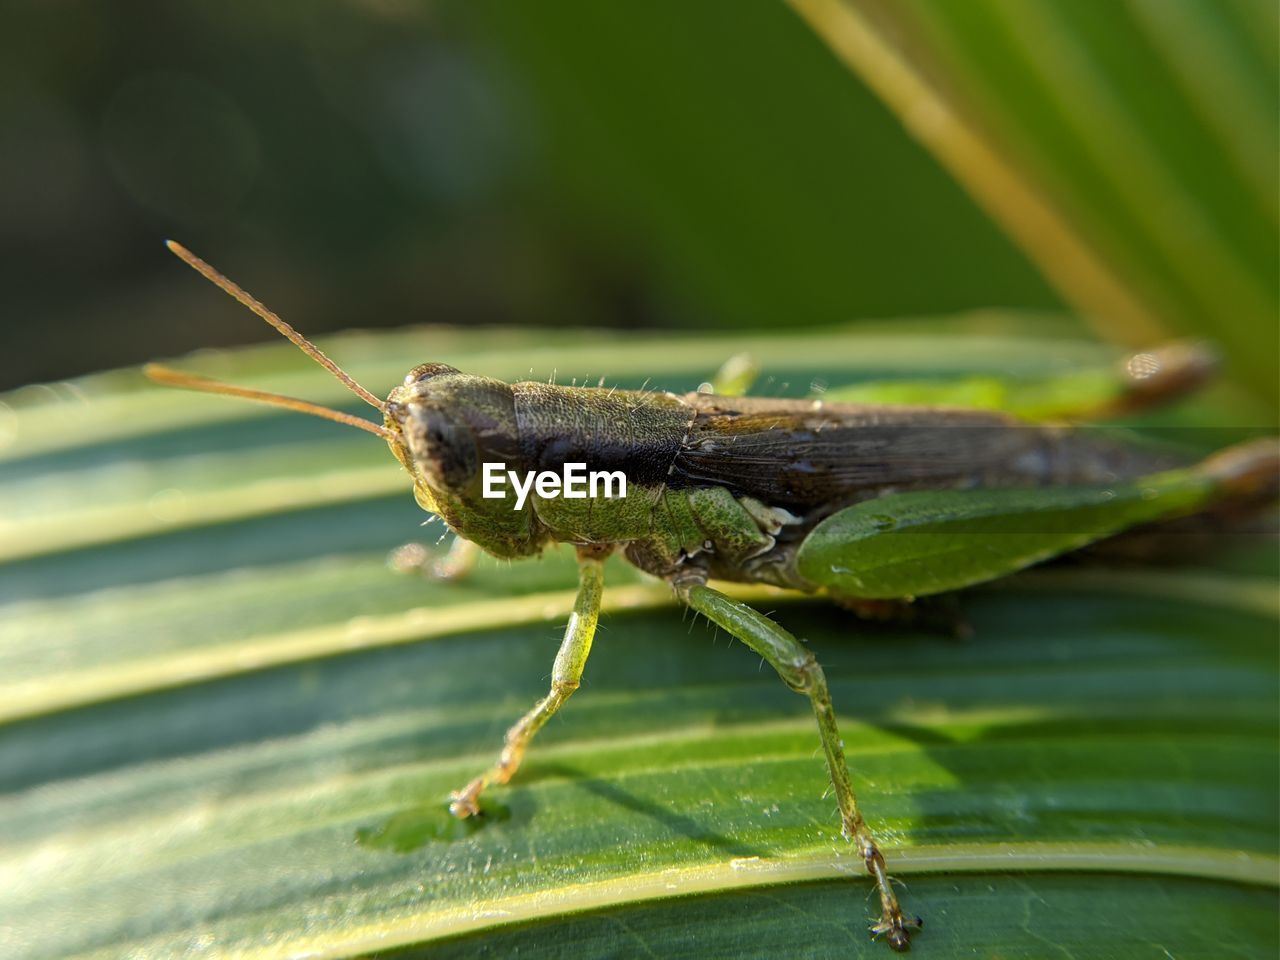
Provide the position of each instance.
(1129, 148)
(227, 728)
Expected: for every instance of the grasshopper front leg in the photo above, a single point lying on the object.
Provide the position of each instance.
(566, 674)
(456, 564)
(800, 671)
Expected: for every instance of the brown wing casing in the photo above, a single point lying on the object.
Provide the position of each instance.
(805, 455)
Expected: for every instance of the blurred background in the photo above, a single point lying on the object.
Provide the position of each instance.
(378, 163)
(373, 163)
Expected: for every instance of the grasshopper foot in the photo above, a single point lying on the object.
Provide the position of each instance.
(893, 926)
(897, 931)
(466, 802)
(453, 566)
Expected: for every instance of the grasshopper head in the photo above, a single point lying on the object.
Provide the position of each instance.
(443, 426)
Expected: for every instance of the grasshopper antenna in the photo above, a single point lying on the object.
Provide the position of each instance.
(189, 381)
(302, 343)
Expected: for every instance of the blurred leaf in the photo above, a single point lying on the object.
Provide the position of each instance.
(235, 737)
(1130, 148)
(718, 170)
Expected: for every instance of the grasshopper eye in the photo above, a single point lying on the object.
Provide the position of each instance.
(425, 371)
(446, 447)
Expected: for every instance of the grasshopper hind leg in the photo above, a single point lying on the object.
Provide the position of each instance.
(1153, 378)
(800, 671)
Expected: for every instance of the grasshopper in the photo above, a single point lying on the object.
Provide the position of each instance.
(866, 503)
